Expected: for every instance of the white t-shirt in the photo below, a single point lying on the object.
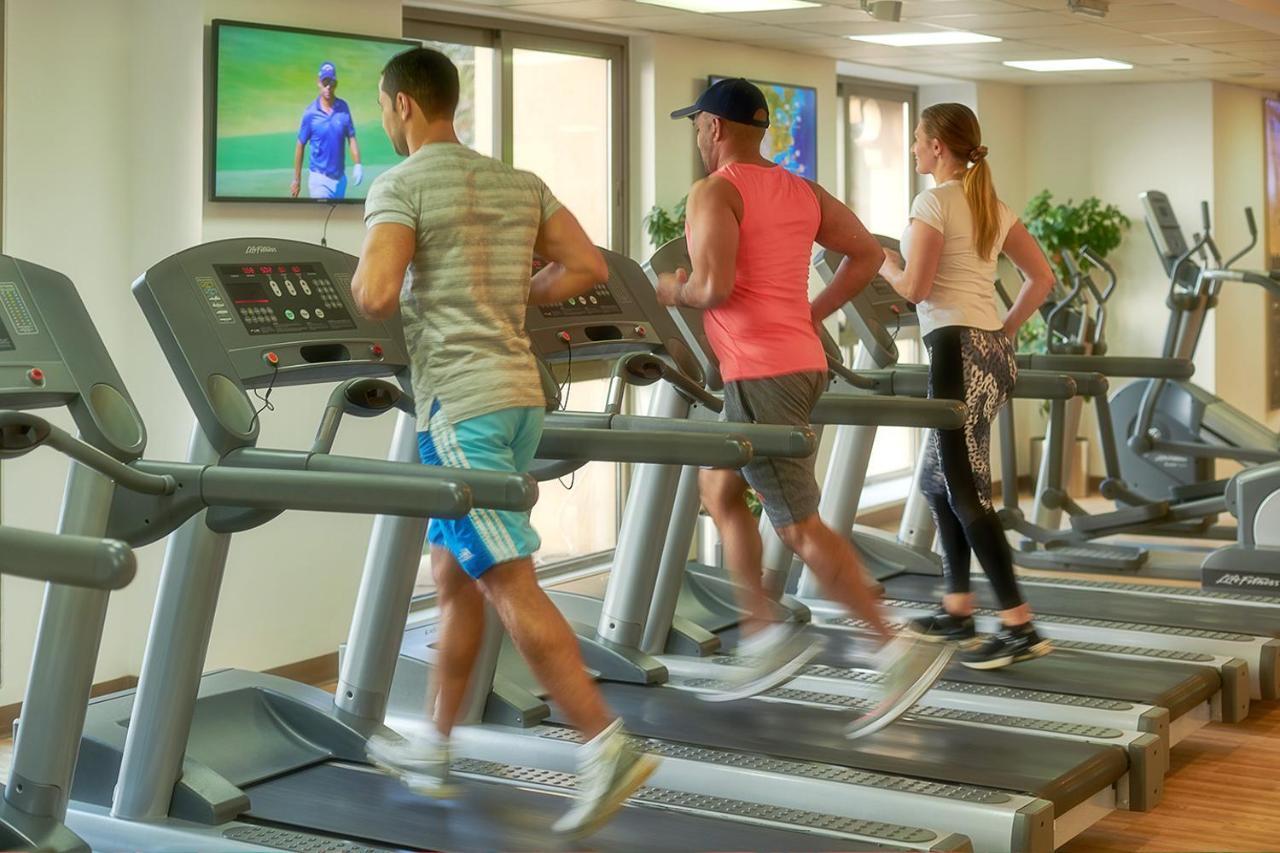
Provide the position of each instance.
(963, 291)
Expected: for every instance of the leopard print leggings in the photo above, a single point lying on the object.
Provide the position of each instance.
(977, 367)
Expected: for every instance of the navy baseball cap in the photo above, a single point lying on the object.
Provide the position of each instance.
(327, 71)
(734, 98)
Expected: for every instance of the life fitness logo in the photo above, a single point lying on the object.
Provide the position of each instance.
(260, 250)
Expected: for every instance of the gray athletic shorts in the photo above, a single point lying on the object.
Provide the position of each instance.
(787, 487)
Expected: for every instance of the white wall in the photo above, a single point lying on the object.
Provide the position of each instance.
(103, 177)
(1239, 181)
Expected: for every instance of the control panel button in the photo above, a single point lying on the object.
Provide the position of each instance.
(288, 314)
(288, 285)
(640, 331)
(319, 313)
(306, 288)
(376, 351)
(275, 288)
(306, 315)
(271, 358)
(35, 376)
(564, 336)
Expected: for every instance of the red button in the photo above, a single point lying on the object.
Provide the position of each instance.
(376, 350)
(36, 375)
(564, 336)
(272, 358)
(640, 332)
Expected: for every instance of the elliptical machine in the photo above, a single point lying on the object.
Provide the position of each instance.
(1177, 430)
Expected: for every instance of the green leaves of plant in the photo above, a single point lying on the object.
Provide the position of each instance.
(663, 226)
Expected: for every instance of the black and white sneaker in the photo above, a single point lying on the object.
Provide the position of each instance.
(1009, 646)
(942, 627)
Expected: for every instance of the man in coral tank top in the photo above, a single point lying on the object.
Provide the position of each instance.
(751, 228)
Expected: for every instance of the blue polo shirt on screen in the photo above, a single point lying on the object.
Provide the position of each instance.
(328, 134)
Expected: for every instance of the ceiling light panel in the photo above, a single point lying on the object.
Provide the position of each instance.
(727, 7)
(1091, 64)
(929, 38)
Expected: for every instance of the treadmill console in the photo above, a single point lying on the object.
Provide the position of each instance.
(279, 298)
(51, 356)
(618, 316)
(878, 313)
(243, 314)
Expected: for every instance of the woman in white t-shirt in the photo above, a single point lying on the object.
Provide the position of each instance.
(957, 231)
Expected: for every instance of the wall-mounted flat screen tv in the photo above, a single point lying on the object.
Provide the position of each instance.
(289, 102)
(792, 138)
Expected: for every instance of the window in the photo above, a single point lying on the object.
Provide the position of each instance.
(543, 99)
(477, 96)
(549, 101)
(878, 183)
(572, 152)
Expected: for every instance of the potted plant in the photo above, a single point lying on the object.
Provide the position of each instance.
(1067, 227)
(664, 226)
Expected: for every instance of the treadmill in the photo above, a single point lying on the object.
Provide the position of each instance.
(75, 561)
(31, 376)
(244, 761)
(792, 745)
(1120, 620)
(1068, 693)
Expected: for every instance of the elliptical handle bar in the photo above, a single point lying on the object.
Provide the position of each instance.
(1069, 261)
(1253, 238)
(1098, 261)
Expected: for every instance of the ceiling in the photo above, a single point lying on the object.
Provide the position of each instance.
(1236, 41)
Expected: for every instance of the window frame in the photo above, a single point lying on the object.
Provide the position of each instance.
(847, 87)
(507, 36)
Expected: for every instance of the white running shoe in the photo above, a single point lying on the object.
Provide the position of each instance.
(610, 769)
(909, 666)
(421, 762)
(774, 655)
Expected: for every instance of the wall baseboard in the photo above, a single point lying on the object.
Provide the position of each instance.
(317, 671)
(10, 713)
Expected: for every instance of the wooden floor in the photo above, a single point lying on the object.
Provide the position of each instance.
(1222, 793)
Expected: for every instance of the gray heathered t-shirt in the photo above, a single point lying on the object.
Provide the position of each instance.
(464, 296)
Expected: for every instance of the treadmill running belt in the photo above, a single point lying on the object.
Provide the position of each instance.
(1100, 604)
(360, 802)
(1064, 772)
(1178, 687)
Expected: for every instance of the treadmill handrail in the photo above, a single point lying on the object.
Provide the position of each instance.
(912, 380)
(1115, 366)
(488, 489)
(881, 410)
(125, 476)
(318, 491)
(719, 449)
(83, 561)
(766, 439)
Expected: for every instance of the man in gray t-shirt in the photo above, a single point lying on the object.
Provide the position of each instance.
(450, 245)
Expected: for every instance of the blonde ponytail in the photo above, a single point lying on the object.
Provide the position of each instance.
(956, 127)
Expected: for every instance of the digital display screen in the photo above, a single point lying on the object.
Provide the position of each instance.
(279, 298)
(280, 94)
(595, 302)
(6, 342)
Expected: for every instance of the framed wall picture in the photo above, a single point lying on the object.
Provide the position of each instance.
(792, 138)
(1271, 130)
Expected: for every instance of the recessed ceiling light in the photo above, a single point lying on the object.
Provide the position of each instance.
(932, 37)
(708, 7)
(1091, 64)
